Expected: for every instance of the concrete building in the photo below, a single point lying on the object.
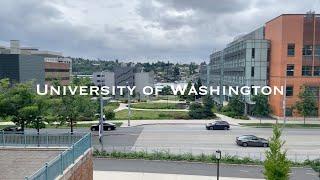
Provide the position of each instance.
(125, 76)
(104, 78)
(141, 80)
(21, 64)
(294, 58)
(242, 63)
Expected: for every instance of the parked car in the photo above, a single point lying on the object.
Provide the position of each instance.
(251, 140)
(13, 130)
(106, 127)
(218, 125)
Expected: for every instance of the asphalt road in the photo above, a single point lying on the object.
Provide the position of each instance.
(203, 169)
(300, 143)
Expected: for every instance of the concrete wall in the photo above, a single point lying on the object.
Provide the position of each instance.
(81, 170)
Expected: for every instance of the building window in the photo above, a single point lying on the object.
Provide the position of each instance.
(289, 91)
(306, 71)
(317, 50)
(252, 71)
(253, 52)
(290, 70)
(307, 50)
(316, 71)
(291, 48)
(288, 112)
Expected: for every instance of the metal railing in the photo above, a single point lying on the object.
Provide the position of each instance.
(38, 140)
(56, 167)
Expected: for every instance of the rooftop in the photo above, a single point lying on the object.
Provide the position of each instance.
(17, 163)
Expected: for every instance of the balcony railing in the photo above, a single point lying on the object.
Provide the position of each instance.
(55, 168)
(76, 144)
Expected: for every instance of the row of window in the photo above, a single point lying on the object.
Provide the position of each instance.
(306, 70)
(307, 50)
(314, 90)
(57, 70)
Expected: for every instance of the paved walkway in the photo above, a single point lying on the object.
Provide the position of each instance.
(232, 121)
(118, 175)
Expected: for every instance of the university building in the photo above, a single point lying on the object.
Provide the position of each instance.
(21, 64)
(284, 52)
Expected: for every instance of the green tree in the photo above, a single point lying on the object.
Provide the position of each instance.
(261, 107)
(74, 107)
(196, 111)
(16, 100)
(198, 85)
(276, 165)
(307, 104)
(208, 105)
(236, 105)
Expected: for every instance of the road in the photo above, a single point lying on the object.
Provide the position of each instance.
(180, 138)
(202, 169)
(300, 143)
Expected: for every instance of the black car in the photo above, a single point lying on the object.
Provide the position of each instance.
(13, 130)
(106, 127)
(218, 125)
(251, 140)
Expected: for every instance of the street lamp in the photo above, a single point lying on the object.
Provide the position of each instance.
(129, 110)
(218, 157)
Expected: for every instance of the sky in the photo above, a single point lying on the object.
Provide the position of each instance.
(138, 30)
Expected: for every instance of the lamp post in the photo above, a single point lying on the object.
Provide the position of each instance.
(218, 157)
(101, 113)
(129, 110)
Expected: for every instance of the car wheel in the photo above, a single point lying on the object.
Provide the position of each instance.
(244, 144)
(226, 128)
(211, 128)
(265, 145)
(92, 128)
(108, 129)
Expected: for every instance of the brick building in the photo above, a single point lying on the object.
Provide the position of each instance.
(294, 58)
(284, 52)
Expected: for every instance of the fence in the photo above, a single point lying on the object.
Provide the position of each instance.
(38, 140)
(78, 144)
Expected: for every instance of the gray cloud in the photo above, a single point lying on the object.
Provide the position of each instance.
(180, 30)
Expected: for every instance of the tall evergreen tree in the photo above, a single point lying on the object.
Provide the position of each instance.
(276, 165)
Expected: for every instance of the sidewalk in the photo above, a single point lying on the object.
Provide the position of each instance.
(235, 122)
(119, 175)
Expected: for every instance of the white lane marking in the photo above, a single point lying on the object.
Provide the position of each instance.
(243, 171)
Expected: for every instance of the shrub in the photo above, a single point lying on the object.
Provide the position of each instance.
(110, 115)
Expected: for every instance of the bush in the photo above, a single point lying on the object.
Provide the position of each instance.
(110, 115)
(196, 111)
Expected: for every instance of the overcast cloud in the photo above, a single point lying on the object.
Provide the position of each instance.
(138, 30)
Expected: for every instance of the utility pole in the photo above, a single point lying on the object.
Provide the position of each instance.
(101, 114)
(284, 101)
(129, 110)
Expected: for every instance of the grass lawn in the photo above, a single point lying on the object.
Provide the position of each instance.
(146, 105)
(140, 115)
(269, 125)
(111, 106)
